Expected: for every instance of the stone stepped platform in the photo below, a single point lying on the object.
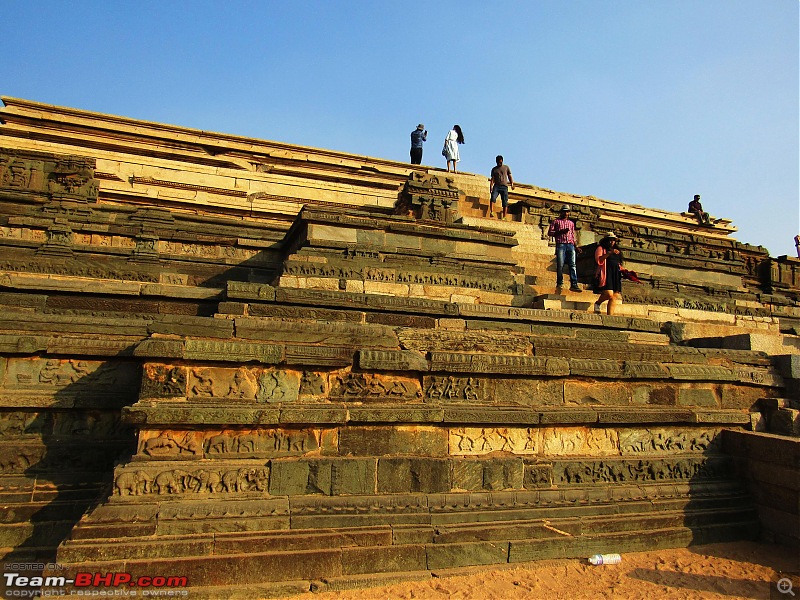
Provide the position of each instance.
(196, 376)
(407, 536)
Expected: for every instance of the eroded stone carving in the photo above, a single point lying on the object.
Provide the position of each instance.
(667, 441)
(579, 441)
(162, 381)
(228, 443)
(56, 374)
(612, 471)
(312, 384)
(366, 386)
(483, 440)
(195, 481)
(466, 389)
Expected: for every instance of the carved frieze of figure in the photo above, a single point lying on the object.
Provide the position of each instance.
(241, 386)
(273, 386)
(464, 441)
(161, 381)
(171, 482)
(133, 483)
(19, 423)
(246, 443)
(49, 373)
(207, 481)
(312, 384)
(203, 384)
(161, 445)
(220, 444)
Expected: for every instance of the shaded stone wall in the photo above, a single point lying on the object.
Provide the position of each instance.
(770, 463)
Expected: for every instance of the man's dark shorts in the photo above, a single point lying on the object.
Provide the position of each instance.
(502, 191)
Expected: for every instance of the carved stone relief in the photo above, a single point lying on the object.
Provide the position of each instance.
(15, 424)
(614, 471)
(313, 384)
(56, 373)
(424, 341)
(367, 386)
(579, 441)
(483, 440)
(247, 384)
(242, 443)
(668, 441)
(66, 176)
(454, 389)
(206, 480)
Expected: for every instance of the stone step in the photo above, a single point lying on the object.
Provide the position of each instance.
(249, 568)
(96, 542)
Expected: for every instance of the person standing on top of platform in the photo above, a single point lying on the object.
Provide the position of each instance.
(450, 150)
(797, 244)
(499, 180)
(563, 230)
(419, 135)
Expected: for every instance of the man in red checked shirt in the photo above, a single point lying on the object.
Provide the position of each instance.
(563, 230)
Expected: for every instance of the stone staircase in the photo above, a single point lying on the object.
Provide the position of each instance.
(354, 396)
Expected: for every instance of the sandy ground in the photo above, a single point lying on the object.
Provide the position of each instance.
(734, 570)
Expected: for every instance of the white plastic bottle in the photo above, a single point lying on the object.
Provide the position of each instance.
(605, 559)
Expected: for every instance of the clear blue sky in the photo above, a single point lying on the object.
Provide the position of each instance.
(639, 101)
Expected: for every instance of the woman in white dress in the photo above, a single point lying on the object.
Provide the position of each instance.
(450, 150)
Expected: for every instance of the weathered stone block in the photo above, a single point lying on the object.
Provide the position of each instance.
(527, 392)
(395, 414)
(567, 415)
(447, 556)
(335, 334)
(654, 395)
(392, 360)
(387, 441)
(382, 559)
(489, 475)
(404, 475)
(395, 320)
(192, 326)
(597, 393)
(489, 415)
(697, 397)
(288, 477)
(788, 365)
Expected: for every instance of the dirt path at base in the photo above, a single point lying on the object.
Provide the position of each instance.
(731, 570)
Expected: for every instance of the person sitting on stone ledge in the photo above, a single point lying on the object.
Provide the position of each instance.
(697, 210)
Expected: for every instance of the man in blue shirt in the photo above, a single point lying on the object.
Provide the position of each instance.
(418, 136)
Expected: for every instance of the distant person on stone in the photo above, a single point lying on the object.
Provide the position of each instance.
(608, 273)
(499, 181)
(697, 209)
(797, 245)
(450, 150)
(563, 230)
(419, 135)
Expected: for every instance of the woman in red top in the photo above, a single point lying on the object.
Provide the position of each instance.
(608, 275)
